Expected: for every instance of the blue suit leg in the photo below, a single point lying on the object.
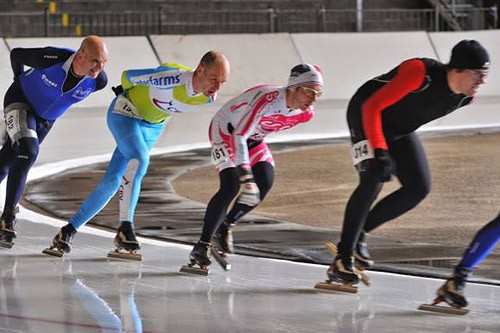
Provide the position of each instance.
(103, 192)
(481, 246)
(107, 186)
(138, 152)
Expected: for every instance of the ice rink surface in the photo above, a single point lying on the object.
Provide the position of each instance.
(87, 292)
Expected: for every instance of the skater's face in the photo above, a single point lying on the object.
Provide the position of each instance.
(305, 96)
(469, 80)
(91, 57)
(212, 77)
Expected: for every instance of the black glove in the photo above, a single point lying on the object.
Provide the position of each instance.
(384, 166)
(118, 90)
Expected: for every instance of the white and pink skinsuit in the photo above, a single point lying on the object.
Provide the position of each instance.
(238, 129)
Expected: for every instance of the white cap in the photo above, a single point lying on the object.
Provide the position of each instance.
(305, 73)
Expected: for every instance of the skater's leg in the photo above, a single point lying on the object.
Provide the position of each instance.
(22, 125)
(263, 172)
(452, 291)
(218, 204)
(95, 201)
(7, 158)
(481, 246)
(137, 150)
(27, 152)
(342, 267)
(26, 134)
(103, 192)
(264, 176)
(413, 172)
(7, 219)
(357, 209)
(7, 152)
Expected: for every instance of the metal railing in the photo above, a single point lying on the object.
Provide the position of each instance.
(406, 20)
(165, 21)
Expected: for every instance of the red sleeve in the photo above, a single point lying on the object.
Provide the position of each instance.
(409, 77)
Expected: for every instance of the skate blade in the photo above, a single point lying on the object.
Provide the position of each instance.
(220, 260)
(194, 270)
(332, 248)
(332, 287)
(364, 278)
(443, 309)
(125, 255)
(53, 252)
(5, 244)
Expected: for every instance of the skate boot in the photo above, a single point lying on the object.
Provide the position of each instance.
(61, 243)
(126, 243)
(362, 258)
(342, 276)
(223, 239)
(342, 270)
(199, 257)
(7, 233)
(452, 291)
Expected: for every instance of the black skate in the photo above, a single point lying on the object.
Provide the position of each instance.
(199, 257)
(452, 293)
(342, 276)
(7, 233)
(126, 243)
(223, 239)
(61, 243)
(332, 248)
(362, 258)
(223, 244)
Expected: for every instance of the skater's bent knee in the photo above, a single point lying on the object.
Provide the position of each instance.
(422, 191)
(28, 150)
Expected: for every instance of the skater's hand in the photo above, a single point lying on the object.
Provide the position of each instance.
(118, 90)
(384, 166)
(249, 192)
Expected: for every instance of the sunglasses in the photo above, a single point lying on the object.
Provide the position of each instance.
(479, 74)
(312, 92)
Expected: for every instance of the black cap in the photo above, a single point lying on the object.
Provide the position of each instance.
(469, 54)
